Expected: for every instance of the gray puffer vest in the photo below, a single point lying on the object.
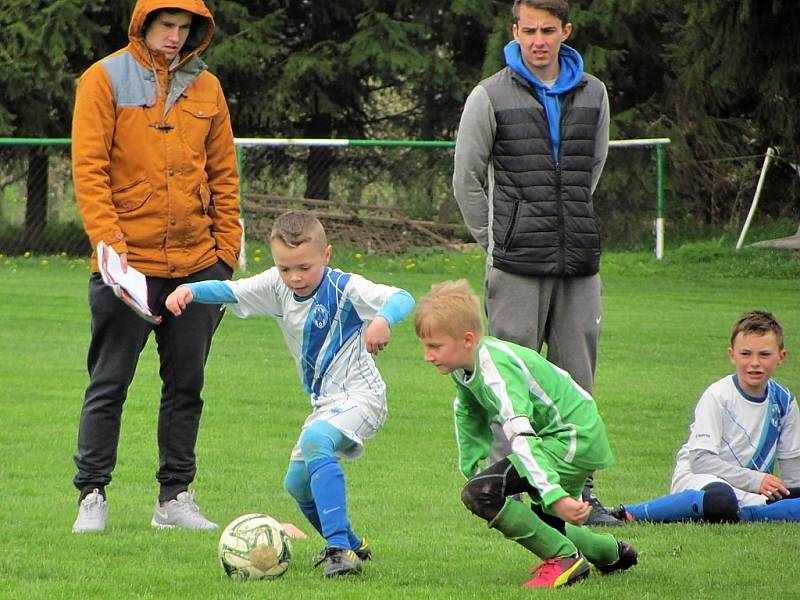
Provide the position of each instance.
(544, 221)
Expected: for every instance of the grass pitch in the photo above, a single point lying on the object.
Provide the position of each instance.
(665, 330)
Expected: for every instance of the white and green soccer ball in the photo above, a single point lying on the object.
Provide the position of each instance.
(254, 546)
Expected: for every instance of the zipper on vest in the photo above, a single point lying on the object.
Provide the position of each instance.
(561, 234)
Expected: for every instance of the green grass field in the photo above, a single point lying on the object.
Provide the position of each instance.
(665, 330)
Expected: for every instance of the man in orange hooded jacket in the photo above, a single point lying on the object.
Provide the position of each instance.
(155, 176)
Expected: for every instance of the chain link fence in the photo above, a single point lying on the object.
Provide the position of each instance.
(384, 196)
(38, 213)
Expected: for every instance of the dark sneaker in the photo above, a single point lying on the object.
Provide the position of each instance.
(622, 514)
(599, 515)
(364, 552)
(627, 558)
(339, 561)
(558, 572)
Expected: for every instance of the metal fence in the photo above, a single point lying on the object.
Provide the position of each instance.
(383, 195)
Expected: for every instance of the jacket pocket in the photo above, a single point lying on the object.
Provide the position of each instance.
(197, 118)
(131, 196)
(508, 235)
(205, 198)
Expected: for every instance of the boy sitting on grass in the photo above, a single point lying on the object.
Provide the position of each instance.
(323, 314)
(742, 424)
(557, 439)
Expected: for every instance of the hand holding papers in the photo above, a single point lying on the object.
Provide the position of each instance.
(130, 286)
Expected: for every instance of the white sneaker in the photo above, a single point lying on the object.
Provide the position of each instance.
(92, 513)
(182, 513)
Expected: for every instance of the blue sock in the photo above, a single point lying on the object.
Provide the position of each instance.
(787, 509)
(309, 509)
(319, 442)
(354, 540)
(683, 506)
(328, 489)
(297, 483)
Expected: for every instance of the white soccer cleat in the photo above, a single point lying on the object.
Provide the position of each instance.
(181, 513)
(92, 513)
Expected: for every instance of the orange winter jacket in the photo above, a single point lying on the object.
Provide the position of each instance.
(153, 160)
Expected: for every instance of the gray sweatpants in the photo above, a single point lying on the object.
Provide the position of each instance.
(563, 312)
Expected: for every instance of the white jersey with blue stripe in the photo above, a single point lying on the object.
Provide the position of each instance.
(742, 430)
(324, 331)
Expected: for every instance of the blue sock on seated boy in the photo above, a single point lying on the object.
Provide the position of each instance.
(715, 503)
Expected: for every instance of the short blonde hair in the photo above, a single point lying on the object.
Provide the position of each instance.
(451, 308)
(296, 227)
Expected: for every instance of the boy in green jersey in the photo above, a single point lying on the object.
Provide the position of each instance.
(557, 439)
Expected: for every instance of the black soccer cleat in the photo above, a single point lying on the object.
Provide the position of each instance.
(364, 552)
(599, 515)
(627, 558)
(339, 561)
(621, 513)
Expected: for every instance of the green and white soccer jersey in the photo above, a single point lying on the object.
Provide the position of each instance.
(552, 423)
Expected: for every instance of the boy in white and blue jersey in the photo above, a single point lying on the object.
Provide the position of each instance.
(332, 323)
(743, 424)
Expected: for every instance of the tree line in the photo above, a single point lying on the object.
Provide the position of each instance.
(720, 78)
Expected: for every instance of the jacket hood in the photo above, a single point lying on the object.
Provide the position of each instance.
(200, 35)
(570, 65)
(570, 76)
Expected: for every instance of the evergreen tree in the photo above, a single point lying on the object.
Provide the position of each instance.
(298, 68)
(734, 92)
(40, 44)
(622, 42)
(720, 78)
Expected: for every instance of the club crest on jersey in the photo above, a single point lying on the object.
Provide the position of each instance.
(775, 417)
(320, 315)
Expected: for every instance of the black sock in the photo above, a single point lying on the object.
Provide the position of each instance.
(89, 489)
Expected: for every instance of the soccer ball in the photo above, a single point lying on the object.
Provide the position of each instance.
(254, 546)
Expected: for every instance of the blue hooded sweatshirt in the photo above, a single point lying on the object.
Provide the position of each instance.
(570, 74)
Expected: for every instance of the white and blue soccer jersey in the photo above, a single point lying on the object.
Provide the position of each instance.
(324, 331)
(744, 431)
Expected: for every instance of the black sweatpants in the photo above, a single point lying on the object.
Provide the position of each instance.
(117, 339)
